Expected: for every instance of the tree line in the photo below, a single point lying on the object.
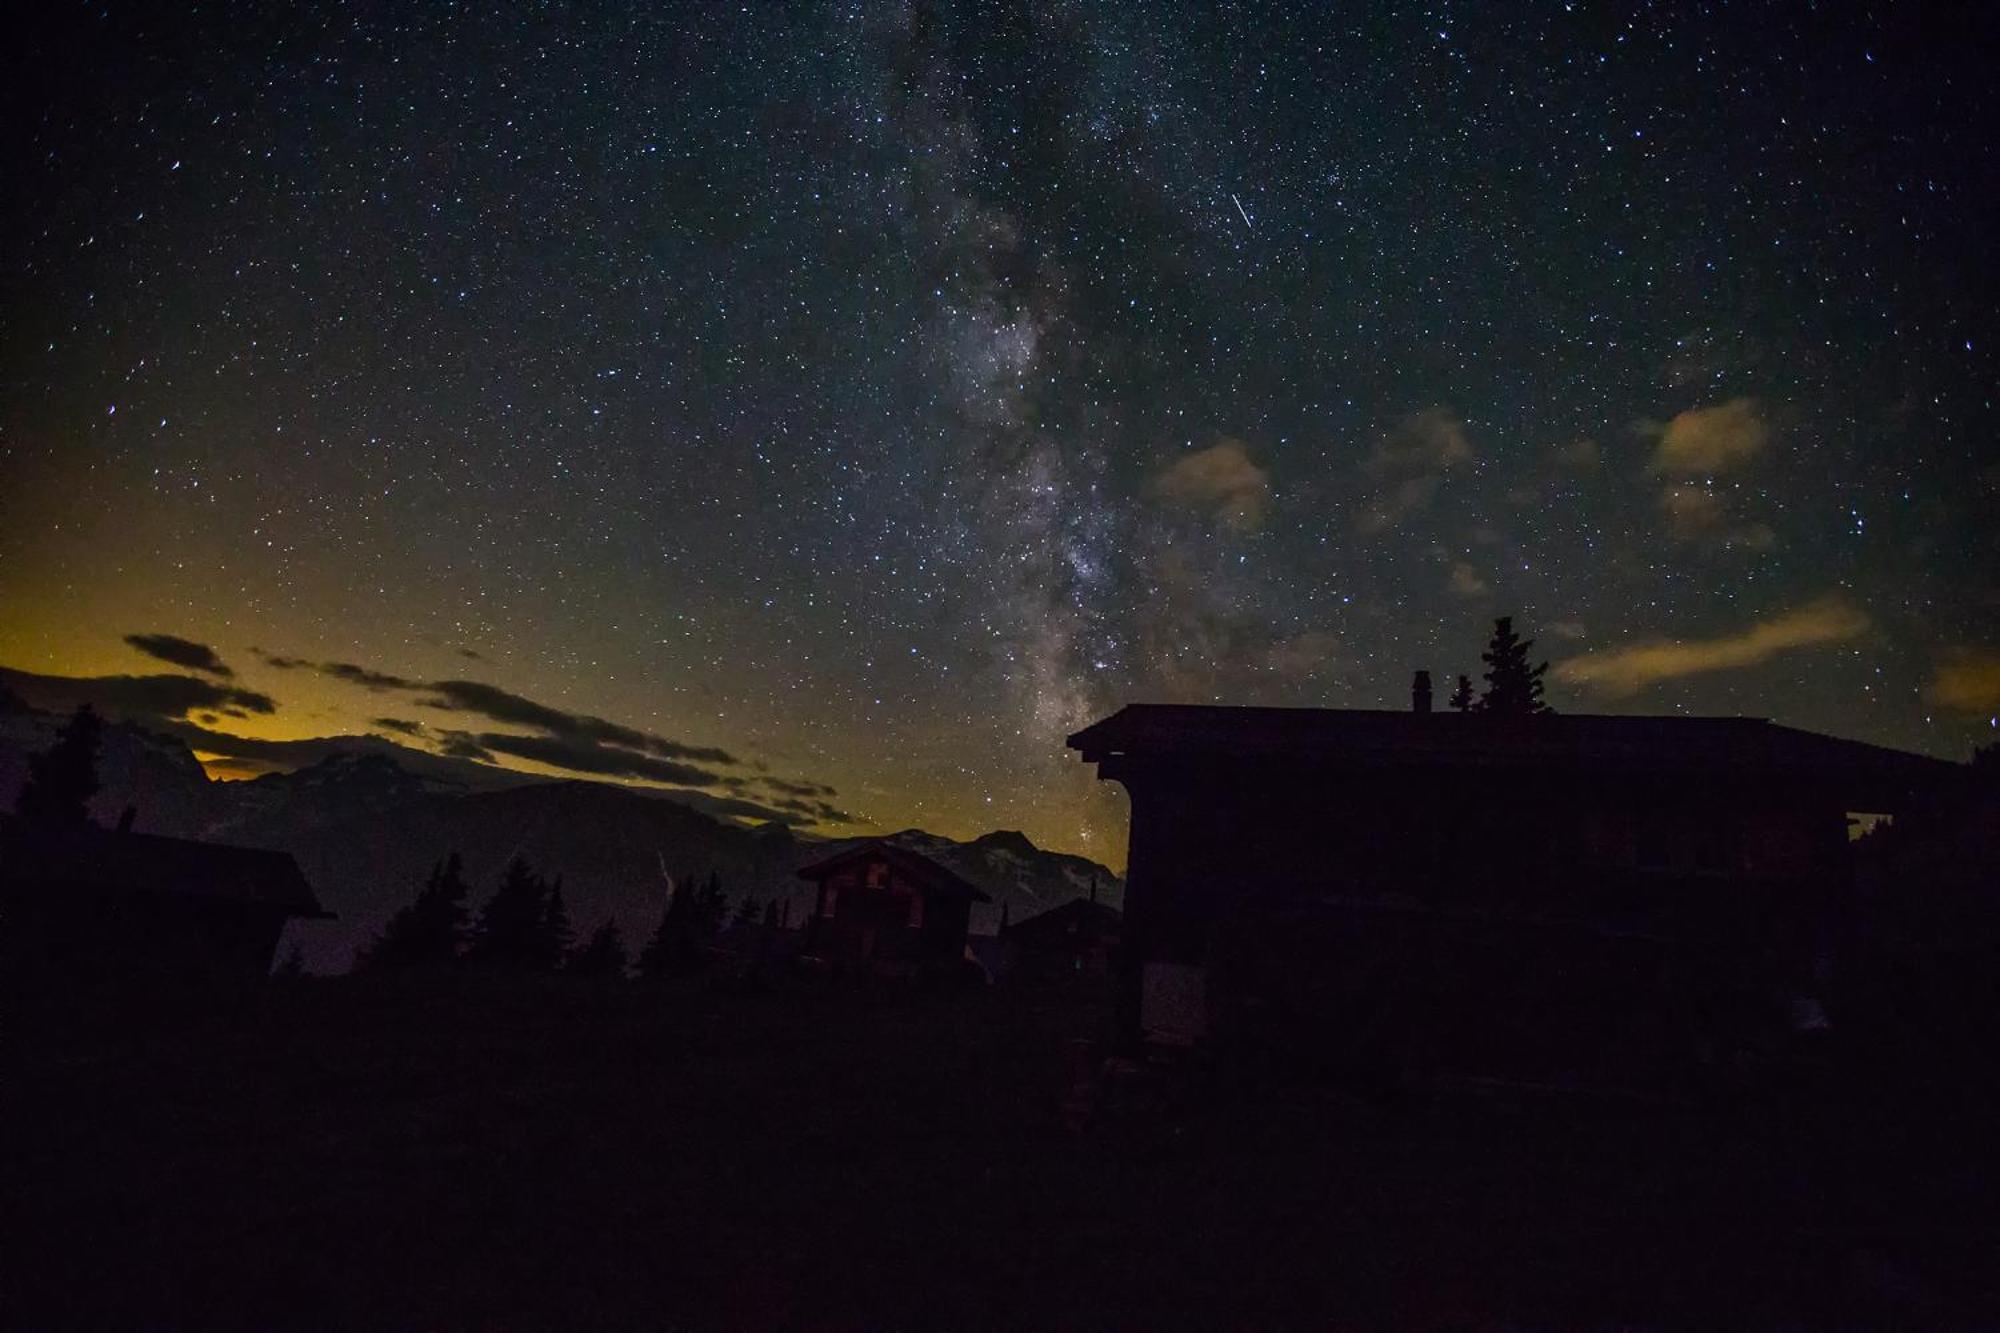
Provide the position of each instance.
(524, 927)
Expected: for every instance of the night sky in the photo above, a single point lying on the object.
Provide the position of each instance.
(830, 407)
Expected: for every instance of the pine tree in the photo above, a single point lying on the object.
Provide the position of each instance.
(603, 957)
(510, 932)
(63, 778)
(712, 905)
(1462, 700)
(652, 959)
(1513, 688)
(771, 915)
(747, 912)
(427, 932)
(556, 936)
(692, 917)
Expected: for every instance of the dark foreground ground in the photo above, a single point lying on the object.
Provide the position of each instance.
(479, 1154)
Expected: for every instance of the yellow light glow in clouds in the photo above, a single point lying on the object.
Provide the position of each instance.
(1625, 671)
(1968, 682)
(1223, 478)
(1711, 439)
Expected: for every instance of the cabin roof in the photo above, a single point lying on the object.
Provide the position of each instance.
(917, 866)
(150, 863)
(1054, 923)
(1598, 742)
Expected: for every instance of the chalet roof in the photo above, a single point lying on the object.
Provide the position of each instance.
(1598, 742)
(918, 867)
(149, 863)
(1056, 921)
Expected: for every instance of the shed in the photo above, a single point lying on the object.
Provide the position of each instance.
(125, 919)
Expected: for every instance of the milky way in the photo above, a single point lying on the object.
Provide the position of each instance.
(874, 393)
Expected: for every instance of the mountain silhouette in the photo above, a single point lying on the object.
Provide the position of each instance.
(367, 822)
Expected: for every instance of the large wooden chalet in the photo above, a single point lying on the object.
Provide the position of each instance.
(889, 909)
(1467, 891)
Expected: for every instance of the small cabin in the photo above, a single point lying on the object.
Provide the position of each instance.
(888, 908)
(119, 925)
(1076, 942)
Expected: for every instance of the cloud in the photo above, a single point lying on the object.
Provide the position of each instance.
(1567, 629)
(463, 745)
(180, 652)
(1697, 513)
(400, 725)
(816, 812)
(790, 788)
(1409, 463)
(1465, 580)
(587, 756)
(374, 680)
(504, 706)
(1707, 440)
(139, 698)
(1224, 479)
(282, 663)
(1300, 658)
(265, 756)
(490, 701)
(1968, 681)
(1624, 671)
(1580, 456)
(1431, 440)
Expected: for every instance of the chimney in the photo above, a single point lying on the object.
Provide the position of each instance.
(1420, 693)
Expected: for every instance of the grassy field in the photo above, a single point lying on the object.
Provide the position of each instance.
(478, 1153)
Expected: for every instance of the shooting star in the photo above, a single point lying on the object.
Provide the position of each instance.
(1239, 210)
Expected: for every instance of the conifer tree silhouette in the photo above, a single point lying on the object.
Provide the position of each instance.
(691, 919)
(602, 957)
(1462, 699)
(63, 778)
(511, 928)
(556, 936)
(428, 931)
(1513, 688)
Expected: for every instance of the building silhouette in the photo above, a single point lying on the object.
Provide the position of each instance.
(118, 926)
(1561, 896)
(1076, 942)
(889, 909)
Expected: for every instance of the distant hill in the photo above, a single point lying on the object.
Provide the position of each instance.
(367, 821)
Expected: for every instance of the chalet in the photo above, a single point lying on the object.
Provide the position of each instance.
(1077, 941)
(888, 908)
(128, 921)
(1463, 890)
